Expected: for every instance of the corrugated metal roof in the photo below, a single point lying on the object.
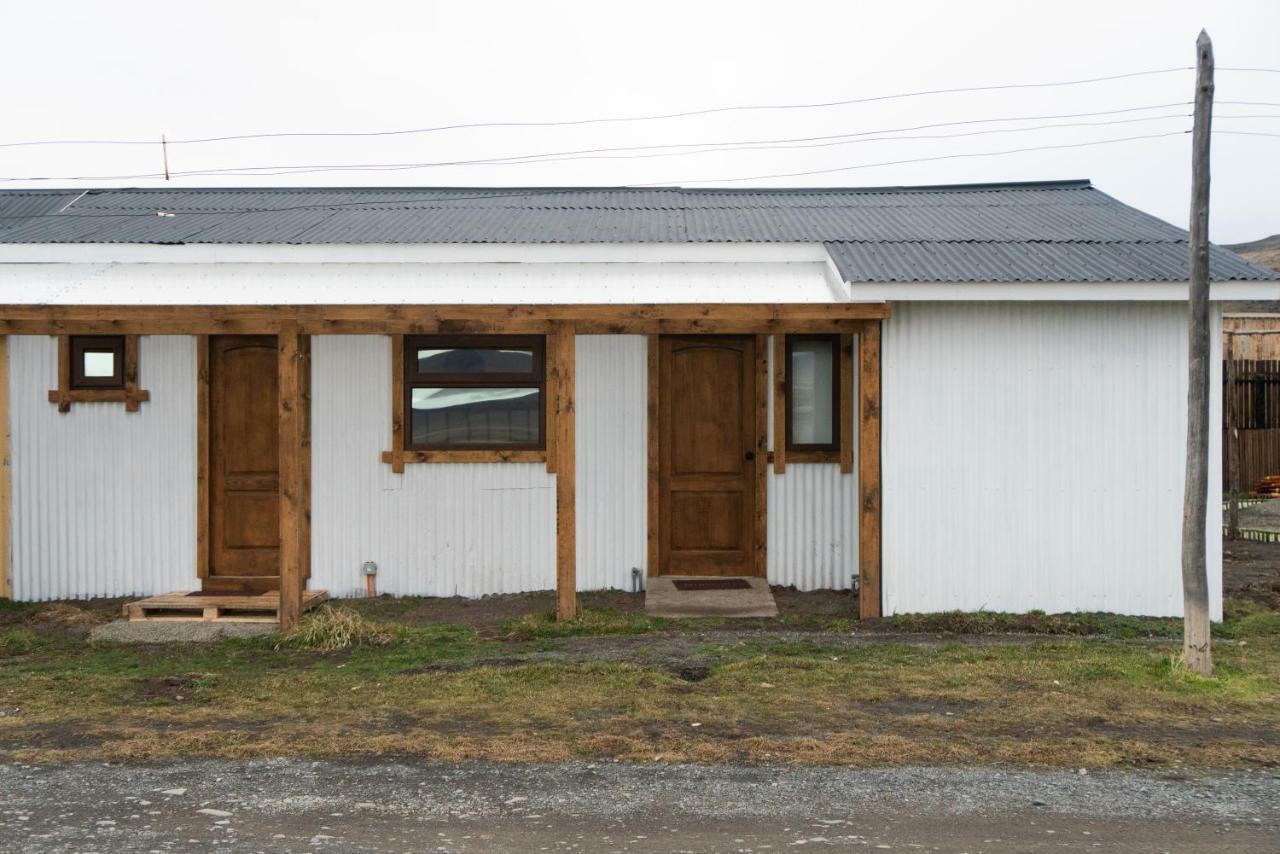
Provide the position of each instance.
(1046, 231)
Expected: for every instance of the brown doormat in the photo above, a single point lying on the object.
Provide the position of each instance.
(712, 584)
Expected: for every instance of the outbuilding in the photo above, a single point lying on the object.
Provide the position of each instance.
(956, 397)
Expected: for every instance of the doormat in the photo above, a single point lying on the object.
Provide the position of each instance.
(712, 584)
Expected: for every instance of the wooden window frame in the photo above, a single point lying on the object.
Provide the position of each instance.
(74, 387)
(82, 344)
(405, 377)
(784, 450)
(826, 451)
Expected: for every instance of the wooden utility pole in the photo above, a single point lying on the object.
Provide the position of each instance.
(1232, 439)
(1196, 653)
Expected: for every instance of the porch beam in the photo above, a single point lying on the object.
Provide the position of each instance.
(593, 319)
(869, 606)
(563, 365)
(291, 366)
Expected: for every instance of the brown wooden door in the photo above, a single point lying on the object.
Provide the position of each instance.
(244, 464)
(706, 448)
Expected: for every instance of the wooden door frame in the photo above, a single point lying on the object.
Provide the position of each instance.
(204, 449)
(760, 372)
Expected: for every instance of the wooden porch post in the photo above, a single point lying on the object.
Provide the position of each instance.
(294, 453)
(563, 346)
(6, 504)
(869, 471)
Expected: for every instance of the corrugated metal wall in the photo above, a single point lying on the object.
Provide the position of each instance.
(103, 500)
(436, 530)
(1033, 458)
(812, 519)
(611, 466)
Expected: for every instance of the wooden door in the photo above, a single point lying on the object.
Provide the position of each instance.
(706, 449)
(244, 464)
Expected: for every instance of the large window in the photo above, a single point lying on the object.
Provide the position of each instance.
(813, 392)
(474, 392)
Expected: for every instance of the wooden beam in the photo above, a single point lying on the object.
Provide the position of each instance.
(132, 396)
(654, 540)
(64, 375)
(292, 523)
(761, 455)
(549, 405)
(304, 384)
(779, 403)
(397, 457)
(6, 483)
(846, 407)
(675, 318)
(869, 474)
(566, 523)
(202, 456)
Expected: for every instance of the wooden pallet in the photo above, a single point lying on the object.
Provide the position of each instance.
(185, 607)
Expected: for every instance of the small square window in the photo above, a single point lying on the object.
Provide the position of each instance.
(97, 361)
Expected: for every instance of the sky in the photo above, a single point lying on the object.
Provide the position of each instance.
(134, 71)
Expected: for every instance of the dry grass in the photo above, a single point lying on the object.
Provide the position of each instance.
(1066, 702)
(334, 627)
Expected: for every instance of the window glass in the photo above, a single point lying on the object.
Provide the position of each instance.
(810, 379)
(476, 360)
(99, 363)
(474, 416)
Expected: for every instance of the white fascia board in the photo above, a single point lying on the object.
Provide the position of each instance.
(446, 253)
(1054, 291)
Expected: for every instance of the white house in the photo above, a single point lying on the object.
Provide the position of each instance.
(957, 397)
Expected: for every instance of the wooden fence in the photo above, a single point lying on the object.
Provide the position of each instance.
(1256, 414)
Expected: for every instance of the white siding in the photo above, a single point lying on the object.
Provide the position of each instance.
(437, 529)
(1033, 458)
(611, 466)
(103, 499)
(417, 284)
(812, 518)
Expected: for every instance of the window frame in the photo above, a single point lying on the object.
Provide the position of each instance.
(82, 344)
(413, 378)
(837, 399)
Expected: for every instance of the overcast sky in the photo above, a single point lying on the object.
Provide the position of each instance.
(136, 70)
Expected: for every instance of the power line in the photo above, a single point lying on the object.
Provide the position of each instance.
(663, 150)
(919, 160)
(478, 195)
(614, 119)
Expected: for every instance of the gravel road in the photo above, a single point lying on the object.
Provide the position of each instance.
(279, 805)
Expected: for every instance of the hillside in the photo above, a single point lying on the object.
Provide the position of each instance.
(1265, 251)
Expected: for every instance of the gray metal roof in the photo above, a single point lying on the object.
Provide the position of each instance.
(1046, 231)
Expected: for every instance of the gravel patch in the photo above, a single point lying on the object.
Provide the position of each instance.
(176, 631)
(1262, 517)
(393, 806)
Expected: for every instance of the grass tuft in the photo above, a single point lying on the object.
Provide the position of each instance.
(590, 621)
(16, 642)
(331, 628)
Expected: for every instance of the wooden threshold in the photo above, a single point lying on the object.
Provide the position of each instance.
(200, 607)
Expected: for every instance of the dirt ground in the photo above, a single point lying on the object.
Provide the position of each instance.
(1251, 572)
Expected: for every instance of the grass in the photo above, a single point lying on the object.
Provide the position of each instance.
(345, 685)
(590, 621)
(334, 627)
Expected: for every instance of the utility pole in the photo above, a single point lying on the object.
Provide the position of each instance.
(1196, 653)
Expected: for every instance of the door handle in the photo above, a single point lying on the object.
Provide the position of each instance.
(750, 455)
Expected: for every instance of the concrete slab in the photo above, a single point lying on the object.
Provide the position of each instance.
(177, 631)
(663, 599)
